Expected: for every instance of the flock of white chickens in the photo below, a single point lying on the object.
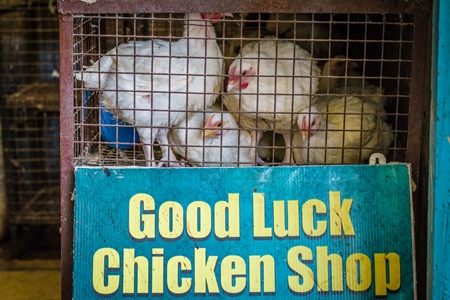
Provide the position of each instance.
(278, 106)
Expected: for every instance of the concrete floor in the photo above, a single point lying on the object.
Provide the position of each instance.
(35, 274)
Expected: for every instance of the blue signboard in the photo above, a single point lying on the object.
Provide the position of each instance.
(312, 232)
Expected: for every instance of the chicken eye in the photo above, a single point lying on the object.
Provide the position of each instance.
(219, 124)
(244, 73)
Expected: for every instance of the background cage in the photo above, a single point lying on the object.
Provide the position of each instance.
(387, 39)
(29, 93)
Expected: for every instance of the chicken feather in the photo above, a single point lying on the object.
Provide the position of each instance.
(340, 72)
(343, 128)
(212, 139)
(269, 83)
(146, 83)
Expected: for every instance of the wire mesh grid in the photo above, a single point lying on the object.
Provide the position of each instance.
(293, 89)
(29, 82)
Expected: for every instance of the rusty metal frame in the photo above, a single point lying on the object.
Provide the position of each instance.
(418, 104)
(67, 148)
(305, 6)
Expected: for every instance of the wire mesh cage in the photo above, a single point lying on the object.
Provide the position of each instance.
(359, 67)
(29, 82)
(293, 84)
(33, 151)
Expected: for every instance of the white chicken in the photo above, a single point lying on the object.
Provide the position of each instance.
(269, 83)
(212, 139)
(154, 84)
(340, 72)
(343, 129)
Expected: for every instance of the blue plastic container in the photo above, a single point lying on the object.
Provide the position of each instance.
(122, 136)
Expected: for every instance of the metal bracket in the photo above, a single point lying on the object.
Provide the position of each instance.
(377, 159)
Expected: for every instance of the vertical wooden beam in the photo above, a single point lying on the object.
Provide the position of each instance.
(67, 153)
(439, 179)
(418, 140)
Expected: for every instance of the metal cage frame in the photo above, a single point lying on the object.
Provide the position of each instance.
(419, 90)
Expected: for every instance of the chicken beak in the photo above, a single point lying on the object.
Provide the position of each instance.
(305, 135)
(304, 129)
(209, 132)
(227, 15)
(209, 124)
(230, 86)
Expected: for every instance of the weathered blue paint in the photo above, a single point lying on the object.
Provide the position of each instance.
(439, 183)
(379, 214)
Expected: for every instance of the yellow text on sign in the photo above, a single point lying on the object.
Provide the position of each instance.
(182, 273)
(357, 271)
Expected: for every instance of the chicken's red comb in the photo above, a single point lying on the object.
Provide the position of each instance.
(232, 71)
(208, 121)
(214, 17)
(303, 125)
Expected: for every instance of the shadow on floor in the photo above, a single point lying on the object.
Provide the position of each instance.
(36, 273)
